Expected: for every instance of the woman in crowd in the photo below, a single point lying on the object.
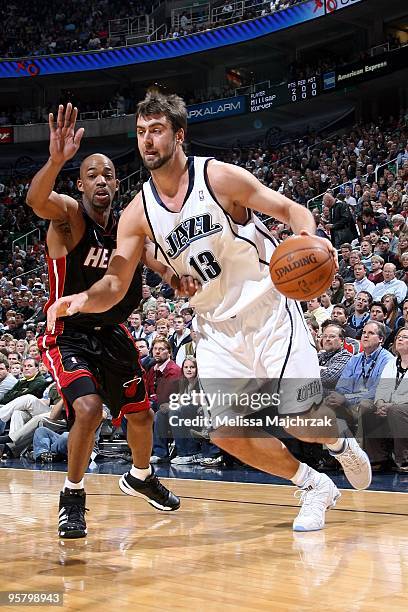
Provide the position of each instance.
(11, 345)
(394, 318)
(34, 352)
(22, 348)
(179, 416)
(337, 288)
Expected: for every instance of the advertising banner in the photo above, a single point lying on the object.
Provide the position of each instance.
(216, 109)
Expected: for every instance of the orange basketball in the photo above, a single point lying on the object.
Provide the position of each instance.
(302, 267)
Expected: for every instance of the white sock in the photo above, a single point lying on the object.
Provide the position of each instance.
(140, 473)
(73, 485)
(303, 473)
(337, 446)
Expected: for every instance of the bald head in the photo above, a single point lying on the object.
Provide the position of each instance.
(98, 183)
(94, 161)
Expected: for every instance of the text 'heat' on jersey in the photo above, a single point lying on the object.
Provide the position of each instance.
(84, 266)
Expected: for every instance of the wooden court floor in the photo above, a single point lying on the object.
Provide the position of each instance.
(230, 547)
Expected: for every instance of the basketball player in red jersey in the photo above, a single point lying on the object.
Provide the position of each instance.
(92, 357)
(199, 214)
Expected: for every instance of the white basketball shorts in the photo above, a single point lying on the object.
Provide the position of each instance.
(267, 344)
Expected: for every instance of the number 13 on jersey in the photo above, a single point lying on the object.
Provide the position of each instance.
(206, 266)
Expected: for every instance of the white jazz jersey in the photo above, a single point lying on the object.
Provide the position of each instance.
(231, 260)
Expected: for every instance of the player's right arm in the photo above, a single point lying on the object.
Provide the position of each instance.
(64, 143)
(108, 291)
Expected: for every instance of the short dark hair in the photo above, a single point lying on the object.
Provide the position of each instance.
(369, 296)
(171, 106)
(380, 305)
(342, 306)
(142, 340)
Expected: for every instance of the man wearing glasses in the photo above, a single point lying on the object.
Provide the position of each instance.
(357, 385)
(334, 358)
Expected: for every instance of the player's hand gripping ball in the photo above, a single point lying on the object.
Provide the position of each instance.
(302, 267)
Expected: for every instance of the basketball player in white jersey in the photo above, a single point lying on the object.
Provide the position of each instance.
(199, 214)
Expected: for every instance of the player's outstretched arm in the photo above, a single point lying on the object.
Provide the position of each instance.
(64, 143)
(108, 291)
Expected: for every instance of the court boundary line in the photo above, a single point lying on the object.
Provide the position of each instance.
(259, 484)
(233, 501)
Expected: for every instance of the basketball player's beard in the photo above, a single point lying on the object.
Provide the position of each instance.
(159, 162)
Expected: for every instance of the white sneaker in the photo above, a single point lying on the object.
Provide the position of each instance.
(355, 463)
(185, 460)
(318, 495)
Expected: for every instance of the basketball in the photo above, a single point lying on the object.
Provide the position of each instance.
(302, 267)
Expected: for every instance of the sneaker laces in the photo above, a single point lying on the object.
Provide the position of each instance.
(160, 488)
(349, 460)
(76, 513)
(310, 500)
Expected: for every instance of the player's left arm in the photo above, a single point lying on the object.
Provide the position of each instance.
(184, 286)
(239, 189)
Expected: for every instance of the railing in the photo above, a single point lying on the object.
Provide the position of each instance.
(109, 112)
(119, 26)
(141, 25)
(30, 271)
(221, 13)
(157, 34)
(103, 114)
(126, 183)
(253, 88)
(337, 188)
(25, 238)
(196, 13)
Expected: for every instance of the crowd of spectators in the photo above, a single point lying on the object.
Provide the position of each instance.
(77, 27)
(348, 163)
(72, 26)
(359, 325)
(226, 14)
(116, 103)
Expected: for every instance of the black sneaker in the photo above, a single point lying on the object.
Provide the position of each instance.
(72, 514)
(151, 490)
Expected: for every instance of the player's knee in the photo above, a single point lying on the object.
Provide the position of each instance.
(88, 410)
(143, 418)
